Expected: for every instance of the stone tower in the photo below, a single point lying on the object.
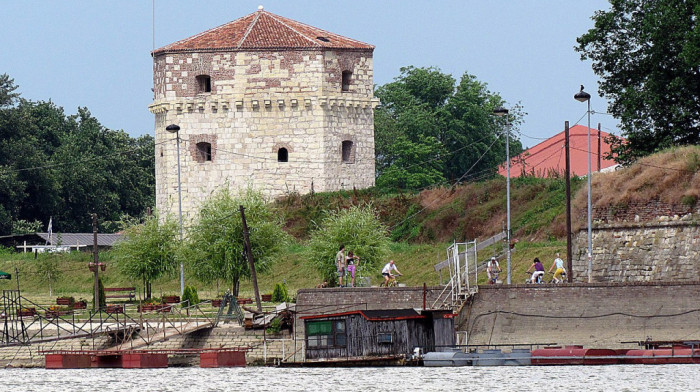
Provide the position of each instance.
(263, 101)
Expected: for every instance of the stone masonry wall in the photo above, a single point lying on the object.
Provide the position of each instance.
(30, 356)
(265, 348)
(664, 249)
(259, 102)
(594, 315)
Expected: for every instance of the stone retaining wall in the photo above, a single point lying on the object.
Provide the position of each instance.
(666, 249)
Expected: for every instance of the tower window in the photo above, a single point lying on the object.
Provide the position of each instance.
(203, 84)
(282, 155)
(348, 152)
(347, 76)
(203, 152)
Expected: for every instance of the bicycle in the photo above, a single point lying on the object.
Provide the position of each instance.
(561, 280)
(391, 283)
(538, 280)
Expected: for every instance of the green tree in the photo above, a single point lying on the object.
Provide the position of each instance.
(7, 88)
(48, 270)
(64, 166)
(359, 229)
(148, 250)
(215, 247)
(429, 129)
(647, 54)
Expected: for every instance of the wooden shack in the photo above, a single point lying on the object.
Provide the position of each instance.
(377, 333)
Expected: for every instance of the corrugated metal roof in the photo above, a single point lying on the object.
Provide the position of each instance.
(374, 315)
(263, 30)
(81, 238)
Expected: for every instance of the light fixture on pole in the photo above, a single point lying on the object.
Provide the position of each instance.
(173, 128)
(583, 96)
(500, 112)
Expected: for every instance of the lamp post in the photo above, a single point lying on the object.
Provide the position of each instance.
(173, 128)
(583, 96)
(500, 112)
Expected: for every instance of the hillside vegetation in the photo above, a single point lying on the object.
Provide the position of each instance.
(421, 224)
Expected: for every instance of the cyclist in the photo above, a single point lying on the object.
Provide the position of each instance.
(559, 263)
(538, 274)
(492, 270)
(386, 272)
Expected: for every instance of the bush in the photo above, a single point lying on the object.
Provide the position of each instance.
(359, 229)
(275, 326)
(190, 295)
(280, 293)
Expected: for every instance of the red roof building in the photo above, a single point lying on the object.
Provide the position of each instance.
(549, 157)
(263, 30)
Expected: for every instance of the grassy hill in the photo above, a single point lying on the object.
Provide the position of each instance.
(421, 224)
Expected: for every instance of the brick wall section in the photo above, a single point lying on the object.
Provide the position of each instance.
(337, 300)
(594, 315)
(637, 211)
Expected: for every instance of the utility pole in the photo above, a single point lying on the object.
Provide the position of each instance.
(249, 254)
(569, 262)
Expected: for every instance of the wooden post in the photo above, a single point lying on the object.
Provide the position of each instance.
(249, 254)
(569, 263)
(95, 260)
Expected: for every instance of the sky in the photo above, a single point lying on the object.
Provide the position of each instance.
(96, 54)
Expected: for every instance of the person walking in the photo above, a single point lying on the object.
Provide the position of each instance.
(340, 264)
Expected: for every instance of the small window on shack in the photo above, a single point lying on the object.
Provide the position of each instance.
(385, 338)
(320, 334)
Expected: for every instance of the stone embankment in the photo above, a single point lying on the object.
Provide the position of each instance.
(595, 315)
(264, 348)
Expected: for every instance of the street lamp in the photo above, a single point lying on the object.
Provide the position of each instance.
(583, 96)
(500, 112)
(173, 128)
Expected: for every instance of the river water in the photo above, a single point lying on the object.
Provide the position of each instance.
(523, 378)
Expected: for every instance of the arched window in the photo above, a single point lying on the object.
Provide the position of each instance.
(282, 155)
(203, 84)
(203, 152)
(348, 152)
(347, 76)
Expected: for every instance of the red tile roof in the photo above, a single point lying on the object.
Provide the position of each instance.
(263, 30)
(550, 155)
